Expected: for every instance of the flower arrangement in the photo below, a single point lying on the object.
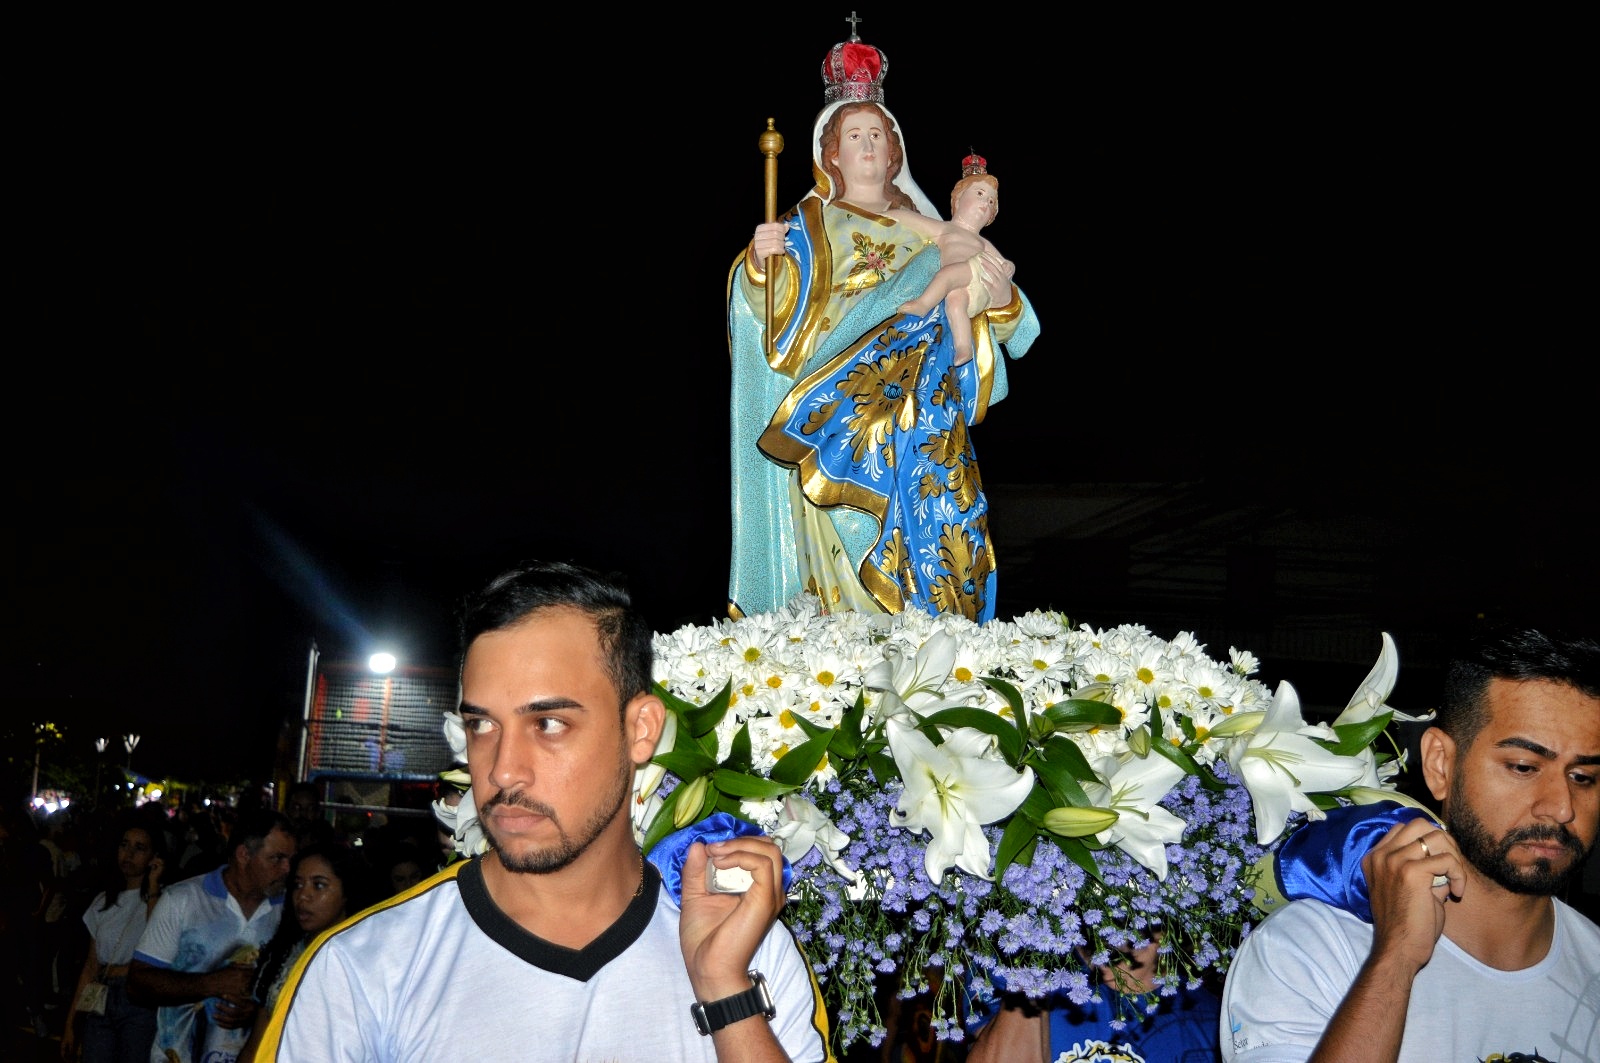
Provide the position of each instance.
(964, 803)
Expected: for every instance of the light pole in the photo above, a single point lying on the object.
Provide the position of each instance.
(99, 762)
(128, 742)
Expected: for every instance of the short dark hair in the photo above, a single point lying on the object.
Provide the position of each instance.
(252, 826)
(1518, 654)
(350, 866)
(518, 593)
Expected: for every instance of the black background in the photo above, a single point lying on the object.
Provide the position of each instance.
(319, 326)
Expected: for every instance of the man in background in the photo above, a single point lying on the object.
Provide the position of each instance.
(196, 958)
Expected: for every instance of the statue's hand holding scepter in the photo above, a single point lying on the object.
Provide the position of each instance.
(771, 145)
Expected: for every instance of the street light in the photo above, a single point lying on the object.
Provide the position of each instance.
(99, 748)
(128, 742)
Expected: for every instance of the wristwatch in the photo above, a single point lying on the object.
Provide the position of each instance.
(709, 1018)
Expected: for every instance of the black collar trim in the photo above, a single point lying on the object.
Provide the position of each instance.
(580, 964)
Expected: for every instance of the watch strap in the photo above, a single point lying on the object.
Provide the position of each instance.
(709, 1018)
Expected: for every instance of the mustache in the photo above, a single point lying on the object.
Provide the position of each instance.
(517, 800)
(1556, 833)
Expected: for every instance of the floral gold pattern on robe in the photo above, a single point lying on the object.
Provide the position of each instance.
(883, 429)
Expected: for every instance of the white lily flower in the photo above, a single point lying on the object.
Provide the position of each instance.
(1133, 789)
(1372, 695)
(455, 733)
(1280, 763)
(470, 841)
(445, 815)
(913, 683)
(951, 791)
(802, 826)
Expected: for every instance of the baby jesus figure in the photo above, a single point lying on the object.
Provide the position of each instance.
(972, 275)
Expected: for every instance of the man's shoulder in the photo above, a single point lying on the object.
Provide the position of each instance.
(1583, 931)
(1306, 920)
(187, 889)
(396, 921)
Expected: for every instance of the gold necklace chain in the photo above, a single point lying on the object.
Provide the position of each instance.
(639, 891)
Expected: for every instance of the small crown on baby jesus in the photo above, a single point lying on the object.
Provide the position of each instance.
(973, 163)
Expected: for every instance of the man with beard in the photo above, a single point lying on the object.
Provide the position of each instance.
(195, 961)
(1470, 953)
(560, 941)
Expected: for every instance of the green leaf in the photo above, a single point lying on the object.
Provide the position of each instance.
(749, 787)
(687, 763)
(1080, 714)
(1208, 778)
(882, 765)
(1354, 737)
(985, 721)
(812, 730)
(1177, 756)
(681, 708)
(1020, 836)
(1013, 698)
(1035, 805)
(846, 743)
(700, 720)
(800, 763)
(1057, 779)
(1067, 753)
(739, 756)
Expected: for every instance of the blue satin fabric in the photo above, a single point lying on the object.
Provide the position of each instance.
(669, 852)
(1322, 860)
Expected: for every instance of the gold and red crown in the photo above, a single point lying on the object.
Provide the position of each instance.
(974, 163)
(853, 71)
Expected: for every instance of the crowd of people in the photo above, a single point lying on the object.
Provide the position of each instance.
(98, 969)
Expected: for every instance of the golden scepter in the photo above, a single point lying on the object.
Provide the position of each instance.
(771, 144)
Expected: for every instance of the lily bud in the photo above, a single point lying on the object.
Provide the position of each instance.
(1072, 821)
(1238, 724)
(687, 810)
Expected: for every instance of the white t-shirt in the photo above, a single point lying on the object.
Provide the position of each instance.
(116, 929)
(196, 926)
(442, 973)
(1294, 969)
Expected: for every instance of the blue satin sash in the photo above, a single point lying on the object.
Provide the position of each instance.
(669, 852)
(1322, 859)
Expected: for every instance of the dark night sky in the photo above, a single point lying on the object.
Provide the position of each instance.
(322, 329)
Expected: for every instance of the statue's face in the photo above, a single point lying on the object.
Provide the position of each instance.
(863, 154)
(978, 204)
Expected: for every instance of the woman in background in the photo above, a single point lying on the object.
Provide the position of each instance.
(116, 919)
(326, 884)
